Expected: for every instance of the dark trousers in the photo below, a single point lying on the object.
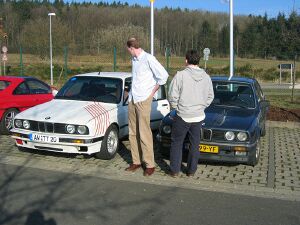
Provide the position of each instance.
(180, 129)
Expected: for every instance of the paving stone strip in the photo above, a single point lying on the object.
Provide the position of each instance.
(271, 167)
(276, 175)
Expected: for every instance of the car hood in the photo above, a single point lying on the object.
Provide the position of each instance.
(66, 111)
(229, 118)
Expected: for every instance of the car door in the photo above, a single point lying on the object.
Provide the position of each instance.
(21, 97)
(262, 105)
(159, 108)
(123, 108)
(39, 91)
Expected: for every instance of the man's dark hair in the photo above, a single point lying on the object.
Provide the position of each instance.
(133, 42)
(192, 57)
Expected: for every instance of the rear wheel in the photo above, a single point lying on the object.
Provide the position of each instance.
(110, 144)
(7, 120)
(254, 158)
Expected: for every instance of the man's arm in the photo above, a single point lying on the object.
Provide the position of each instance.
(174, 92)
(159, 72)
(210, 96)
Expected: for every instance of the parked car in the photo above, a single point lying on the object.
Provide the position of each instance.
(18, 94)
(234, 123)
(88, 115)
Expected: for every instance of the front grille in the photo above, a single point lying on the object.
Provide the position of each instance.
(47, 127)
(206, 134)
(218, 135)
(212, 135)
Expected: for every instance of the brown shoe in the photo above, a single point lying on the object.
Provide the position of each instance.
(149, 171)
(190, 174)
(133, 167)
(172, 174)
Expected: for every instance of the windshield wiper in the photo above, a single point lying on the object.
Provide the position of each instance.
(229, 105)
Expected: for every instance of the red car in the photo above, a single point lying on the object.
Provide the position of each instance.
(18, 94)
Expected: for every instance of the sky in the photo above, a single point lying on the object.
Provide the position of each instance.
(241, 7)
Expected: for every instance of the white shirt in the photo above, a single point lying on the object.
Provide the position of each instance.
(146, 73)
(193, 119)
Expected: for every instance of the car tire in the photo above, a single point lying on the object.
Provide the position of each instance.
(254, 158)
(7, 120)
(110, 144)
(165, 152)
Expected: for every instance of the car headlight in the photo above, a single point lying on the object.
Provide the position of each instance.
(82, 129)
(242, 136)
(167, 129)
(26, 124)
(229, 135)
(70, 129)
(18, 123)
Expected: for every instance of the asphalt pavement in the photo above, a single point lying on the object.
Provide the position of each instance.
(31, 196)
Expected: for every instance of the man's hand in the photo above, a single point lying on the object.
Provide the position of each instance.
(154, 90)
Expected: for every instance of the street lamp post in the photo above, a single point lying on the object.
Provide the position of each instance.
(51, 67)
(231, 40)
(152, 26)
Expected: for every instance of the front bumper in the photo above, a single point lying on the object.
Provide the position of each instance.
(66, 144)
(227, 151)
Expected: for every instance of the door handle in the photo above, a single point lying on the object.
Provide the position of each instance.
(164, 104)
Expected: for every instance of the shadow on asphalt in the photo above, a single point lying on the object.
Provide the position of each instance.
(43, 199)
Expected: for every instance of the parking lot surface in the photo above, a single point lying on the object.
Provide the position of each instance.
(277, 174)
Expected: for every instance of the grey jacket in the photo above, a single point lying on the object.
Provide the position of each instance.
(190, 92)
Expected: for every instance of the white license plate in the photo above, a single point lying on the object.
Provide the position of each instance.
(43, 138)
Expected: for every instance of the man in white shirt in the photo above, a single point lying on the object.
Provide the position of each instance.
(147, 75)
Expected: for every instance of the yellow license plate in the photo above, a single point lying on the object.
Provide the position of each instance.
(209, 148)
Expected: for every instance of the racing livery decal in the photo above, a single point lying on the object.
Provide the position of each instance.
(100, 116)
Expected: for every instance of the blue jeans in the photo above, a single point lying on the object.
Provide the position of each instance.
(180, 129)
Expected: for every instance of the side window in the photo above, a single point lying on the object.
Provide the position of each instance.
(258, 91)
(127, 87)
(37, 87)
(161, 93)
(4, 84)
(22, 89)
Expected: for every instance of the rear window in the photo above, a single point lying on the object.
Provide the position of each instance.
(4, 84)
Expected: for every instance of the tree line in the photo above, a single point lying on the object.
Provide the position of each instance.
(95, 28)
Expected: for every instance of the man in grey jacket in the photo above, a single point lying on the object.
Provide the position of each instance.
(190, 92)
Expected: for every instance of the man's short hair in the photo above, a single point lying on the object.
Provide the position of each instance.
(133, 42)
(192, 57)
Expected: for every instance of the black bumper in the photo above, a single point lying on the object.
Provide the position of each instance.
(226, 152)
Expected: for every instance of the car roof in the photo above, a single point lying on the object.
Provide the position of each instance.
(19, 78)
(121, 75)
(11, 78)
(234, 78)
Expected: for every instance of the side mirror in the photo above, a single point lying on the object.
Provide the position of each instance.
(54, 90)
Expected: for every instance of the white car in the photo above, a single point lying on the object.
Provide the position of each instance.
(88, 115)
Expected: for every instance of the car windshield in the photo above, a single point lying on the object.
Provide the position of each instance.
(233, 94)
(4, 84)
(99, 89)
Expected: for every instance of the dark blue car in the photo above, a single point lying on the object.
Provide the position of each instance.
(234, 123)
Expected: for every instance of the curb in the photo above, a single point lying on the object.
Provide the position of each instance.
(292, 125)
